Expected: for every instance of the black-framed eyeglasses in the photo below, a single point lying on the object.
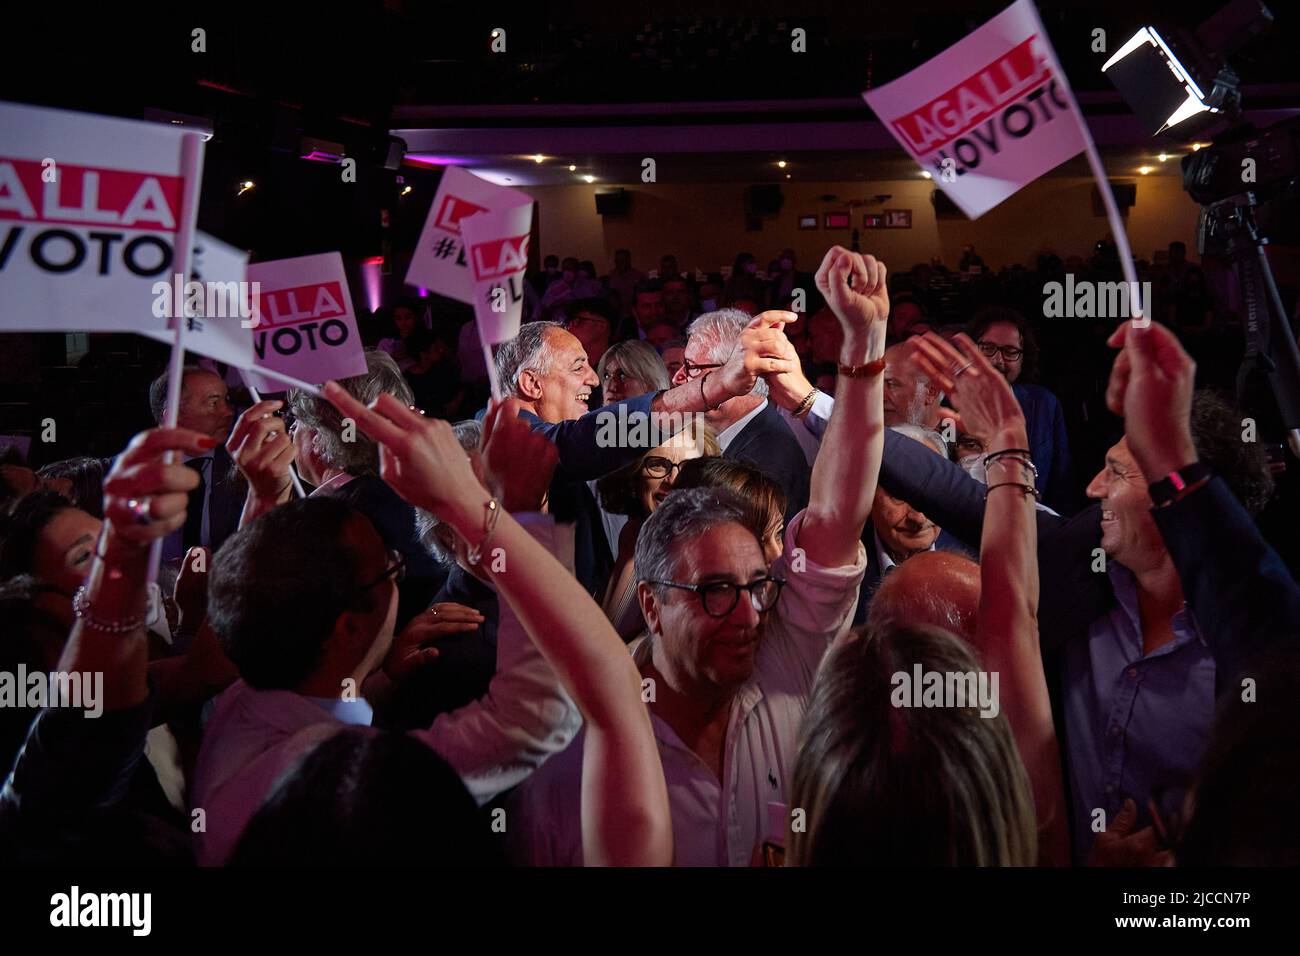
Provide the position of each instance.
(721, 597)
(692, 370)
(652, 466)
(1009, 352)
(396, 570)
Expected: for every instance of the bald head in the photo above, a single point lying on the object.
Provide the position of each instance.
(935, 587)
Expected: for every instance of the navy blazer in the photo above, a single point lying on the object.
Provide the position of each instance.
(226, 501)
(583, 457)
(767, 443)
(1239, 588)
(1071, 594)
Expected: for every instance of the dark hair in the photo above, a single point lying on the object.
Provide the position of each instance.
(158, 391)
(998, 313)
(762, 497)
(596, 306)
(1250, 776)
(646, 285)
(1243, 465)
(87, 477)
(885, 785)
(278, 585)
(419, 341)
(22, 526)
(366, 797)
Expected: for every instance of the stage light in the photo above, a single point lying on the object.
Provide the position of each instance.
(780, 163)
(573, 169)
(1163, 157)
(927, 174)
(590, 179)
(245, 186)
(407, 190)
(539, 158)
(1155, 83)
(1144, 170)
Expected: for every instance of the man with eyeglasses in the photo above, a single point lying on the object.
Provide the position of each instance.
(735, 634)
(1005, 337)
(749, 427)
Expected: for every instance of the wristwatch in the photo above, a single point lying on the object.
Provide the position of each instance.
(1175, 484)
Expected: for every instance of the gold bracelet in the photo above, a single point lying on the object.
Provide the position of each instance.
(475, 553)
(806, 405)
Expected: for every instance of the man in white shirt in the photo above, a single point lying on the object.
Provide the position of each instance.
(304, 601)
(731, 655)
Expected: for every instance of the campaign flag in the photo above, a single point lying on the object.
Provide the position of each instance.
(990, 114)
(218, 303)
(440, 262)
(306, 327)
(90, 211)
(496, 245)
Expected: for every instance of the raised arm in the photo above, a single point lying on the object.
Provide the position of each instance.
(260, 446)
(71, 765)
(1007, 627)
(583, 453)
(625, 800)
(1239, 588)
(844, 476)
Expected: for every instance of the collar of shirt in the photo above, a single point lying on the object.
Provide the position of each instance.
(887, 563)
(334, 484)
(356, 711)
(728, 434)
(1123, 583)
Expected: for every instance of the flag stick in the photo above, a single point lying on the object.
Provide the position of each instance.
(1139, 311)
(183, 251)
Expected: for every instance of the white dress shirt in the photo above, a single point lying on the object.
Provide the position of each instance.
(728, 434)
(714, 823)
(494, 743)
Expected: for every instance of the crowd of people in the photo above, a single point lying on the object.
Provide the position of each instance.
(855, 602)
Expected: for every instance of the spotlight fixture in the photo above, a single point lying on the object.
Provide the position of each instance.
(1144, 170)
(1163, 157)
(590, 179)
(927, 174)
(407, 190)
(780, 163)
(573, 169)
(245, 186)
(538, 158)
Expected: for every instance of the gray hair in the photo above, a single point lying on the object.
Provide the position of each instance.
(360, 456)
(721, 330)
(684, 516)
(639, 360)
(436, 536)
(527, 350)
(927, 436)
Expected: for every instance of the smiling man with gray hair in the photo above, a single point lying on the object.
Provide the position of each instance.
(546, 368)
(749, 427)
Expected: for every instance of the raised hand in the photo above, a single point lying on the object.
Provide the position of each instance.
(261, 449)
(761, 351)
(986, 407)
(788, 389)
(410, 648)
(419, 457)
(853, 285)
(518, 461)
(1151, 387)
(145, 497)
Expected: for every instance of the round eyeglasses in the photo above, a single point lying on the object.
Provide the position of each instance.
(720, 598)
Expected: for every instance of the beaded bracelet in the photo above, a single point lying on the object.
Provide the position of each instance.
(806, 405)
(82, 609)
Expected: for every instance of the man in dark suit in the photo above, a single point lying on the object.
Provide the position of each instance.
(215, 505)
(749, 427)
(546, 369)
